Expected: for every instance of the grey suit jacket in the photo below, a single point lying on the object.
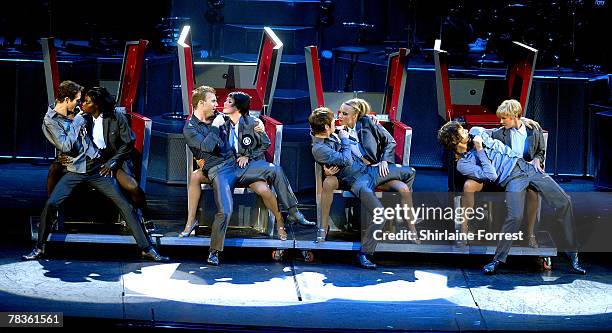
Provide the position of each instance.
(250, 142)
(535, 140)
(375, 140)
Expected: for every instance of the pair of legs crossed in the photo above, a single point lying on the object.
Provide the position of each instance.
(400, 180)
(260, 187)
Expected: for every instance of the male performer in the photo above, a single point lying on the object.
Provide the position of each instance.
(71, 137)
(231, 154)
(525, 137)
(374, 145)
(335, 150)
(491, 160)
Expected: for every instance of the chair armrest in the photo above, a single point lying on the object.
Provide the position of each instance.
(141, 126)
(274, 130)
(402, 134)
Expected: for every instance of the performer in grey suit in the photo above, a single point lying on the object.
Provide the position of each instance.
(331, 149)
(525, 137)
(371, 143)
(482, 157)
(72, 137)
(232, 152)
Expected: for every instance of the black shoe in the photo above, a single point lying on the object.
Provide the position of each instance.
(364, 262)
(35, 254)
(298, 217)
(213, 258)
(151, 254)
(491, 268)
(573, 257)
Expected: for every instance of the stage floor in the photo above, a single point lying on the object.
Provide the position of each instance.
(108, 284)
(413, 292)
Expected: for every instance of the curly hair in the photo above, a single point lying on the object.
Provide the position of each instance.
(448, 135)
(319, 118)
(103, 99)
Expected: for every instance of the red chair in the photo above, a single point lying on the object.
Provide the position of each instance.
(225, 78)
(133, 58)
(141, 126)
(470, 92)
(516, 85)
(391, 111)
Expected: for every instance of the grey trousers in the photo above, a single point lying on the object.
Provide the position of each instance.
(364, 188)
(522, 176)
(107, 186)
(228, 176)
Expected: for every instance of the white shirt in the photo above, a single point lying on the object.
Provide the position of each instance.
(353, 133)
(355, 147)
(98, 132)
(518, 139)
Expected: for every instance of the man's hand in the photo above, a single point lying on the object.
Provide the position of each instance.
(332, 170)
(343, 134)
(477, 142)
(64, 159)
(537, 164)
(79, 120)
(531, 124)
(218, 121)
(106, 171)
(78, 111)
(374, 119)
(260, 126)
(383, 168)
(200, 163)
(242, 161)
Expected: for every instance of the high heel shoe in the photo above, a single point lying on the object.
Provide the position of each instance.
(533, 242)
(282, 233)
(322, 234)
(190, 230)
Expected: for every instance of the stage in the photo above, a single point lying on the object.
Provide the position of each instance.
(409, 292)
(107, 285)
(417, 64)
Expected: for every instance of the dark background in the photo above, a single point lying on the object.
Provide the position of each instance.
(571, 81)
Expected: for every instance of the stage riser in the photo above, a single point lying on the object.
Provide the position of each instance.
(167, 161)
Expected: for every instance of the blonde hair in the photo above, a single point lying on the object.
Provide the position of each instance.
(360, 106)
(509, 108)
